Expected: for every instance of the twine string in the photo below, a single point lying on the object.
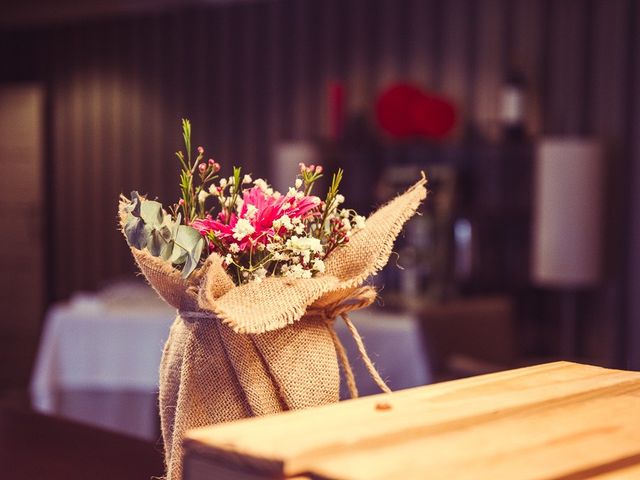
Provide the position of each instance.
(354, 300)
(357, 299)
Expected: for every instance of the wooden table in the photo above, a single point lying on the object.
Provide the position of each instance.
(554, 421)
(35, 447)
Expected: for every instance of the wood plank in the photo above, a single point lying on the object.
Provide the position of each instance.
(535, 399)
(540, 445)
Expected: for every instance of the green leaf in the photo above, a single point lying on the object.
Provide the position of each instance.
(151, 212)
(188, 246)
(136, 231)
(148, 225)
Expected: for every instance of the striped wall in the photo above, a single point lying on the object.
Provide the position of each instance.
(254, 73)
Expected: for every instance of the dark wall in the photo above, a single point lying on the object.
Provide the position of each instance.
(251, 74)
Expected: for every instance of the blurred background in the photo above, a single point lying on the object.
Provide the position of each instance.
(524, 114)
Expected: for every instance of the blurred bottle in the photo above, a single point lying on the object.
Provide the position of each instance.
(513, 107)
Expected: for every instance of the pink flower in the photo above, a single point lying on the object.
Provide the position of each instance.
(260, 210)
(200, 150)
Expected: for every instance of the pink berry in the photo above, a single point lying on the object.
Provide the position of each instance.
(212, 162)
(319, 169)
(202, 167)
(200, 150)
(181, 202)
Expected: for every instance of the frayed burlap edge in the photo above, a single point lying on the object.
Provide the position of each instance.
(278, 301)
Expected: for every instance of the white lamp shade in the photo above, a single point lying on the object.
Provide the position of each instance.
(567, 225)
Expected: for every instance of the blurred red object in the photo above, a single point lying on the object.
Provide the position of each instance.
(336, 109)
(405, 111)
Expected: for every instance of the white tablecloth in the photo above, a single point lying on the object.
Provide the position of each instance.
(99, 356)
(98, 360)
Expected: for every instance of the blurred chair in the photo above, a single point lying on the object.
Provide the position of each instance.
(467, 337)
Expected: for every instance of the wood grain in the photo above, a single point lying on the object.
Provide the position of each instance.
(558, 420)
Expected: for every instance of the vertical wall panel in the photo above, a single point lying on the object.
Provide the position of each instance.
(60, 91)
(608, 118)
(456, 54)
(273, 74)
(356, 45)
(632, 341)
(564, 105)
(489, 62)
(253, 74)
(525, 55)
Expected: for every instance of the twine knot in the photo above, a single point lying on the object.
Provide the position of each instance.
(328, 310)
(191, 316)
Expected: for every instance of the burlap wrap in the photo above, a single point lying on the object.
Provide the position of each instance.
(261, 348)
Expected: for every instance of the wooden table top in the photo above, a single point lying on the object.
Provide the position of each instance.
(35, 447)
(555, 421)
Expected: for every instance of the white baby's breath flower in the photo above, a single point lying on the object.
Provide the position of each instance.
(359, 222)
(246, 178)
(223, 182)
(272, 247)
(228, 259)
(291, 192)
(259, 275)
(297, 271)
(301, 244)
(283, 222)
(299, 195)
(202, 196)
(299, 229)
(298, 182)
(261, 184)
(213, 190)
(269, 191)
(251, 211)
(339, 198)
(234, 248)
(242, 229)
(318, 265)
(280, 257)
(346, 224)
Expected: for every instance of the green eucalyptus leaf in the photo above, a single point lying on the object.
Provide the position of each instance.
(194, 246)
(136, 231)
(152, 213)
(160, 243)
(148, 225)
(134, 207)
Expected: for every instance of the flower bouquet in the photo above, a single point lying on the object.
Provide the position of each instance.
(258, 277)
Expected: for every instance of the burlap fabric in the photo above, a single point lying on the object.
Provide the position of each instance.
(262, 348)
